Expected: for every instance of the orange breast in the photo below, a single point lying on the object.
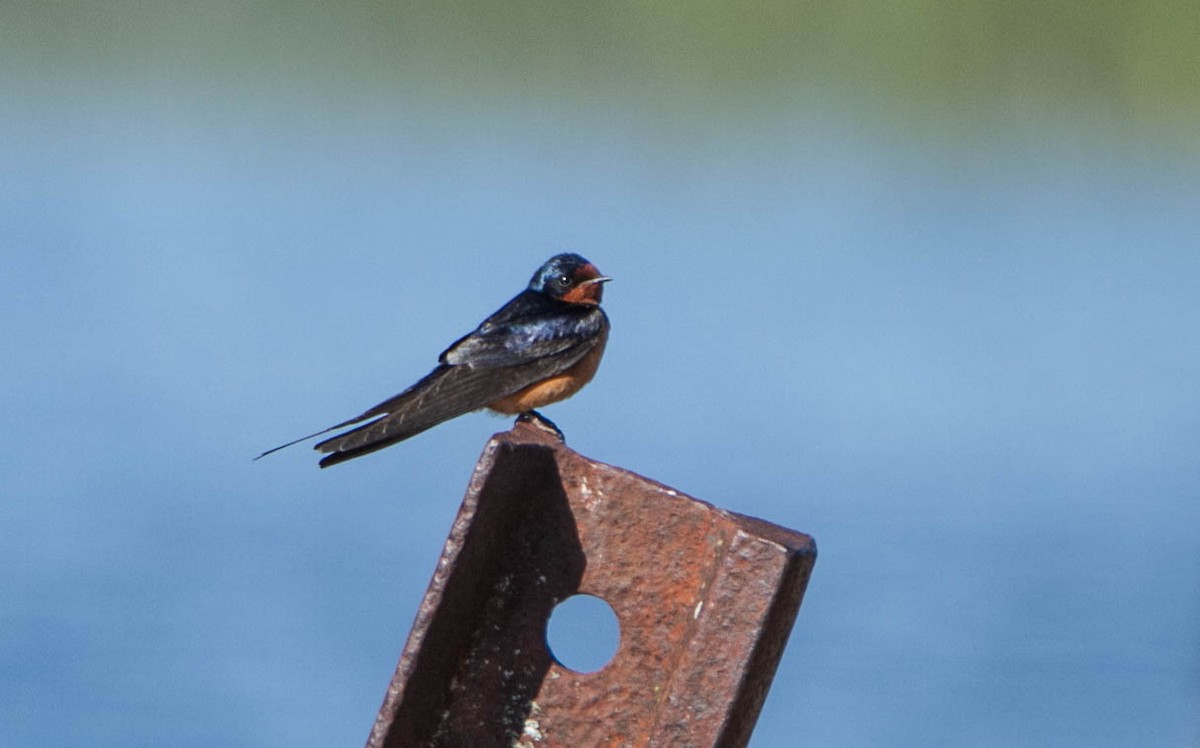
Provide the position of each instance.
(555, 388)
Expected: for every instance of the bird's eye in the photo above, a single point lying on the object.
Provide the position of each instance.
(564, 280)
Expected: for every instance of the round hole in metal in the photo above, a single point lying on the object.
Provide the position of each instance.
(582, 633)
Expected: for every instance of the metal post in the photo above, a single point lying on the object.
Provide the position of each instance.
(705, 599)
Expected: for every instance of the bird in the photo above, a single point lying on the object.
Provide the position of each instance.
(541, 347)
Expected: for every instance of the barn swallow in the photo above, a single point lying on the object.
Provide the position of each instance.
(539, 348)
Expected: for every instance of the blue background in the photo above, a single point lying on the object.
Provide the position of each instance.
(921, 280)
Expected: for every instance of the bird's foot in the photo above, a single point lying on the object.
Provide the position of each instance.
(533, 418)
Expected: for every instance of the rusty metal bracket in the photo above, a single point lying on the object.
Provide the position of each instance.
(705, 599)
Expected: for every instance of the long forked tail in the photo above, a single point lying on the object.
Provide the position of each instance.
(444, 393)
(375, 436)
(343, 424)
(447, 392)
(382, 409)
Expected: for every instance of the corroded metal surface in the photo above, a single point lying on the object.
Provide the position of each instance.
(705, 599)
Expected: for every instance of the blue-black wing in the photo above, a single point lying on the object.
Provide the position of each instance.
(530, 327)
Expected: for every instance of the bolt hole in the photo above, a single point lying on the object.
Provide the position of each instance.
(582, 633)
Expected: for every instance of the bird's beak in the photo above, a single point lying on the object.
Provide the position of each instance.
(599, 279)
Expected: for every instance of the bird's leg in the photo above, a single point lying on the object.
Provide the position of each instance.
(542, 422)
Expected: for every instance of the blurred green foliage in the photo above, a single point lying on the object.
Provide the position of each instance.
(1132, 63)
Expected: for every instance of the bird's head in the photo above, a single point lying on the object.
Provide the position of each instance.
(570, 278)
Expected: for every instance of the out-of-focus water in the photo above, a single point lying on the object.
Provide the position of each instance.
(963, 356)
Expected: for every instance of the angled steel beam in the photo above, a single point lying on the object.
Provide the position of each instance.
(705, 599)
